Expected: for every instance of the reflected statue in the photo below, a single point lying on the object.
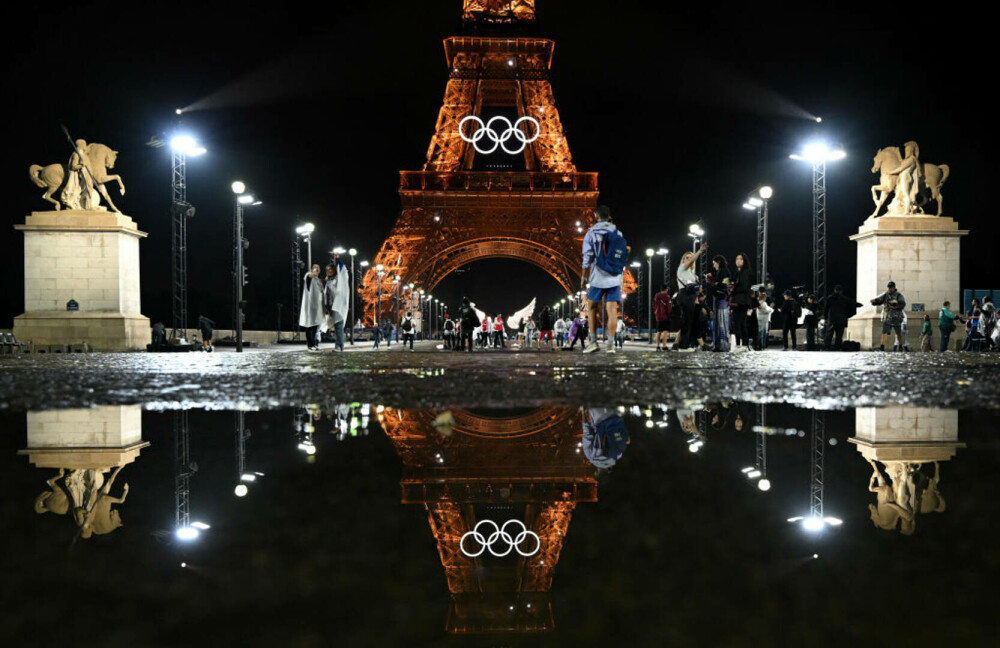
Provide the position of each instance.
(84, 445)
(905, 440)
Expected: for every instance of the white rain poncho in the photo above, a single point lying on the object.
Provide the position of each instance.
(311, 313)
(338, 294)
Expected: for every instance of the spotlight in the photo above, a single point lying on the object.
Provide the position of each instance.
(766, 192)
(239, 187)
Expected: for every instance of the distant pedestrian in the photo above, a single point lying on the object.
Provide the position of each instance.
(893, 304)
(409, 328)
(925, 334)
(449, 332)
(718, 282)
(790, 312)
(620, 334)
(530, 329)
(741, 300)
(605, 253)
(376, 336)
(206, 325)
(662, 307)
(946, 324)
(470, 323)
(973, 328)
(839, 308)
(311, 313)
(560, 330)
(763, 313)
(578, 331)
(546, 324)
(498, 332)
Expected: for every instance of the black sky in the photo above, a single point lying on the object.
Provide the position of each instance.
(681, 111)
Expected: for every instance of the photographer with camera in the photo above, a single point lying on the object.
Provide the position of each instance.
(894, 303)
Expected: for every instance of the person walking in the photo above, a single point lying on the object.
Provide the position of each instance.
(408, 326)
(449, 332)
(484, 331)
(498, 331)
(688, 287)
(470, 323)
(620, 334)
(311, 311)
(546, 324)
(790, 312)
(529, 331)
(893, 302)
(763, 314)
(946, 324)
(605, 253)
(336, 295)
(839, 308)
(560, 330)
(376, 336)
(662, 307)
(741, 301)
(925, 334)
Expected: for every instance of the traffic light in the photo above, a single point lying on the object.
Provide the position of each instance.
(245, 277)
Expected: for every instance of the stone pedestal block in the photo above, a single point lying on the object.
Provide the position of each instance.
(96, 438)
(910, 434)
(921, 254)
(92, 258)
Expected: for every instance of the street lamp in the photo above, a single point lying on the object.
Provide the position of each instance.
(758, 201)
(649, 292)
(240, 243)
(665, 253)
(305, 231)
(818, 154)
(353, 252)
(378, 305)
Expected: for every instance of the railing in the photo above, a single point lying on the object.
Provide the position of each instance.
(496, 181)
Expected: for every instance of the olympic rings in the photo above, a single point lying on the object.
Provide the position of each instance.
(500, 533)
(501, 138)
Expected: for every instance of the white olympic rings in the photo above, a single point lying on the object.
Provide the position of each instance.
(500, 533)
(499, 139)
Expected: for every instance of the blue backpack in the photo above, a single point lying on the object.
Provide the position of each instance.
(613, 435)
(613, 255)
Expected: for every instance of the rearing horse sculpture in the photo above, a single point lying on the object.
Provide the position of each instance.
(52, 177)
(931, 179)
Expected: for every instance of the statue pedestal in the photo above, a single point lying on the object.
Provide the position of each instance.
(91, 257)
(921, 254)
(96, 438)
(908, 434)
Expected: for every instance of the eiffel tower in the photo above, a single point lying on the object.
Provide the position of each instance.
(522, 467)
(465, 205)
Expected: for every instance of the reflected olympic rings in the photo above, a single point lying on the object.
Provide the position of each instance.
(508, 131)
(500, 534)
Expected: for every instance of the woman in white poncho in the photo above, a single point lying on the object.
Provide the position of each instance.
(336, 296)
(311, 312)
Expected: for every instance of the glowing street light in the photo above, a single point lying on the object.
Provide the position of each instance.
(818, 153)
(758, 201)
(239, 188)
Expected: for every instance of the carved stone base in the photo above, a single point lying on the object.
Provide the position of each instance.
(92, 258)
(922, 255)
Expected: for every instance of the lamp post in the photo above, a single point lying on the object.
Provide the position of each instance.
(240, 243)
(665, 253)
(378, 304)
(363, 265)
(649, 293)
(398, 290)
(637, 266)
(305, 231)
(818, 154)
(758, 201)
(353, 252)
(698, 236)
(181, 146)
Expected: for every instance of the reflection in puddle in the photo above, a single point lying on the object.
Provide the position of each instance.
(499, 489)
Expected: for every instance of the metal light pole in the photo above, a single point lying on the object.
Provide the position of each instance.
(240, 243)
(649, 293)
(818, 154)
(378, 304)
(353, 252)
(637, 266)
(758, 201)
(665, 253)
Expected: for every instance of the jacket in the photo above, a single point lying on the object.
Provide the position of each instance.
(839, 309)
(741, 288)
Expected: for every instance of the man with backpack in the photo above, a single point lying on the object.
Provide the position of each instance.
(449, 332)
(408, 327)
(605, 436)
(605, 254)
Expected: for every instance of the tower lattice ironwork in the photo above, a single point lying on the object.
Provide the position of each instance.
(524, 467)
(455, 212)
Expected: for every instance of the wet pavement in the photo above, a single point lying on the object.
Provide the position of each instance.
(429, 377)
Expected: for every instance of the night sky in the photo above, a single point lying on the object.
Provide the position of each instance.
(683, 112)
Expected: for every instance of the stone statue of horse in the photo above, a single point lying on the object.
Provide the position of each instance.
(933, 177)
(52, 177)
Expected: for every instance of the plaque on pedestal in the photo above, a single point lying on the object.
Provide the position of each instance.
(89, 257)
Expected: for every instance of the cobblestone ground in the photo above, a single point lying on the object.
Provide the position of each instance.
(429, 377)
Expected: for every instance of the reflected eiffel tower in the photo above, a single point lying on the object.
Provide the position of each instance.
(525, 467)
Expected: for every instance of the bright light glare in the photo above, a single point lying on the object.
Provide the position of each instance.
(764, 484)
(819, 120)
(183, 143)
(339, 250)
(379, 267)
(352, 251)
(650, 252)
(753, 474)
(241, 490)
(308, 228)
(239, 187)
(748, 206)
(766, 192)
(832, 521)
(198, 150)
(755, 201)
(307, 448)
(248, 477)
(839, 154)
(663, 251)
(245, 199)
(200, 525)
(813, 524)
(186, 533)
(178, 111)
(696, 230)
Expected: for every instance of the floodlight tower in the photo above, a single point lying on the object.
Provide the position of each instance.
(818, 447)
(758, 200)
(183, 469)
(240, 244)
(818, 154)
